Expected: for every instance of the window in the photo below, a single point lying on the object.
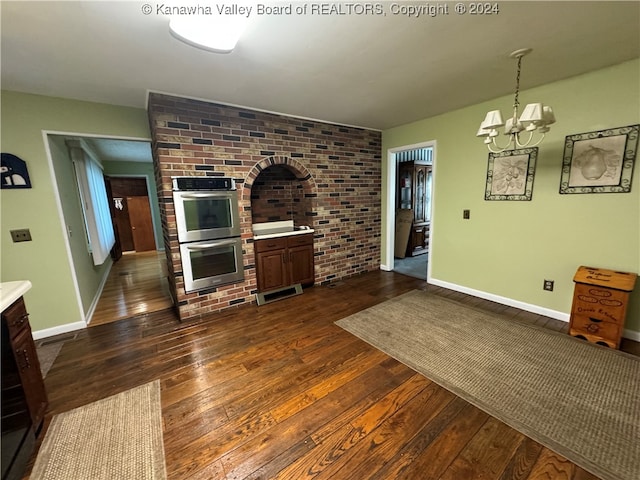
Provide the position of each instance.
(95, 204)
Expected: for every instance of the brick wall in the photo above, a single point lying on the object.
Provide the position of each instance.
(332, 179)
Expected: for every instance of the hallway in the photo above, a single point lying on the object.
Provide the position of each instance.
(137, 284)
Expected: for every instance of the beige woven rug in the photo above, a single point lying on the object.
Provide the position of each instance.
(578, 399)
(117, 438)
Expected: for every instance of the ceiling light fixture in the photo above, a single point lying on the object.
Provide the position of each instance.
(214, 33)
(535, 117)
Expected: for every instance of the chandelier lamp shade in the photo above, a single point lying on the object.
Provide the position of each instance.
(524, 130)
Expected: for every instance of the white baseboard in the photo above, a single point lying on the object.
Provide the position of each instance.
(630, 334)
(96, 297)
(58, 330)
(70, 327)
(547, 312)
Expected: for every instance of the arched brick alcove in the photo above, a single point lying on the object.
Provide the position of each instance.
(280, 188)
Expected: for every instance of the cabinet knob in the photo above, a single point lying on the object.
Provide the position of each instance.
(26, 363)
(19, 321)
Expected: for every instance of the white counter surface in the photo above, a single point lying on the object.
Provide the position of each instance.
(282, 234)
(11, 291)
(265, 230)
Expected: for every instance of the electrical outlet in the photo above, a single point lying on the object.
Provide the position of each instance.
(22, 235)
(548, 285)
(466, 214)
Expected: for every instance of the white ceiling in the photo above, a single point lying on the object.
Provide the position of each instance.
(370, 71)
(114, 150)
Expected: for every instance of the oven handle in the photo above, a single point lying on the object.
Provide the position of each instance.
(199, 195)
(205, 246)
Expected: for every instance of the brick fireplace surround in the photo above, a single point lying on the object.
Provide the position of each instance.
(338, 169)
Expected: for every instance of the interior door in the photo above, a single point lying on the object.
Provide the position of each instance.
(141, 223)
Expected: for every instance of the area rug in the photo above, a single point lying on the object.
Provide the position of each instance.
(119, 437)
(578, 399)
(47, 354)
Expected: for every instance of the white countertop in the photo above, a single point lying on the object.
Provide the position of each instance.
(282, 234)
(278, 229)
(11, 291)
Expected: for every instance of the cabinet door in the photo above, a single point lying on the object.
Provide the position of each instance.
(15, 411)
(419, 200)
(16, 317)
(270, 270)
(24, 352)
(301, 264)
(405, 186)
(422, 201)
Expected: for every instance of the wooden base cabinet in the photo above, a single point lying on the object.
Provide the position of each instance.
(284, 261)
(24, 399)
(419, 242)
(600, 305)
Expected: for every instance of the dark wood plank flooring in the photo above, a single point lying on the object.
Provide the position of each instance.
(279, 391)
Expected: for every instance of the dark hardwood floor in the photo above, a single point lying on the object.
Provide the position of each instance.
(279, 391)
(137, 284)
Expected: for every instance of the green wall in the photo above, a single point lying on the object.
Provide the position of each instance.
(53, 300)
(508, 248)
(91, 275)
(505, 250)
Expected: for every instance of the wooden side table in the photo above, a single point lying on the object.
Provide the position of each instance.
(599, 305)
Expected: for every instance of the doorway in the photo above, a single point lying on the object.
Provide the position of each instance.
(120, 158)
(410, 182)
(131, 211)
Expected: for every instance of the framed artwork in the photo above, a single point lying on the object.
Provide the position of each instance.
(510, 174)
(599, 162)
(14, 172)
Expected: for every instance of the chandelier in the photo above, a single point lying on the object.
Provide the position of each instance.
(527, 130)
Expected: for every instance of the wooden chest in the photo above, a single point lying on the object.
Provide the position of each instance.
(599, 305)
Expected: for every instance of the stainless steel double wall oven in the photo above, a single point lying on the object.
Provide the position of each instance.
(208, 223)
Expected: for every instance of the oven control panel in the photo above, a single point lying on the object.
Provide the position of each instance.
(190, 184)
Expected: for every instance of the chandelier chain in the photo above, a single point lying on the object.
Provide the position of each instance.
(516, 102)
(520, 129)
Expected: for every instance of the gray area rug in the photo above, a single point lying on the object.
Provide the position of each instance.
(412, 266)
(119, 437)
(578, 399)
(47, 354)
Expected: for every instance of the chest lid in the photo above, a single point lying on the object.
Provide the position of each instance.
(606, 278)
